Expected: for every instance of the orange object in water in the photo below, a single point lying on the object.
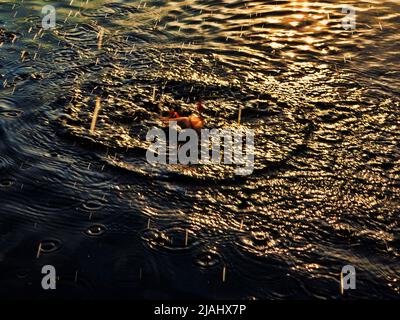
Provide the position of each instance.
(196, 122)
(192, 122)
(173, 114)
(200, 106)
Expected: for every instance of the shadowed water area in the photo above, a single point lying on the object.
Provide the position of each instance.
(323, 102)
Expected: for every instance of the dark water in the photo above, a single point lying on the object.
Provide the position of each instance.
(323, 101)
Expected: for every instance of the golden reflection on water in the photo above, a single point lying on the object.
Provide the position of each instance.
(295, 33)
(278, 56)
(295, 30)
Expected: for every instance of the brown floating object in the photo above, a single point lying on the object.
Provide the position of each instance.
(192, 122)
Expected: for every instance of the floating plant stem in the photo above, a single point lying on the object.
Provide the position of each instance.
(186, 237)
(224, 274)
(341, 283)
(239, 115)
(100, 38)
(95, 114)
(38, 251)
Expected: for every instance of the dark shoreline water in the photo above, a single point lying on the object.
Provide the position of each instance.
(324, 103)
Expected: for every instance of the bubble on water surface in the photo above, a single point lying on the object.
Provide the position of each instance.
(49, 245)
(7, 182)
(95, 230)
(208, 259)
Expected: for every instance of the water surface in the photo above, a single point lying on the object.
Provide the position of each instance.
(323, 101)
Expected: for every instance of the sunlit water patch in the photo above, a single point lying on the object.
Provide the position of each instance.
(324, 105)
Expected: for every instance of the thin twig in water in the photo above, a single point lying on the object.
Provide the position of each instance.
(239, 115)
(38, 251)
(224, 274)
(186, 237)
(100, 38)
(95, 114)
(341, 283)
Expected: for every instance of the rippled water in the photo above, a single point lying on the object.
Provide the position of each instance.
(323, 101)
